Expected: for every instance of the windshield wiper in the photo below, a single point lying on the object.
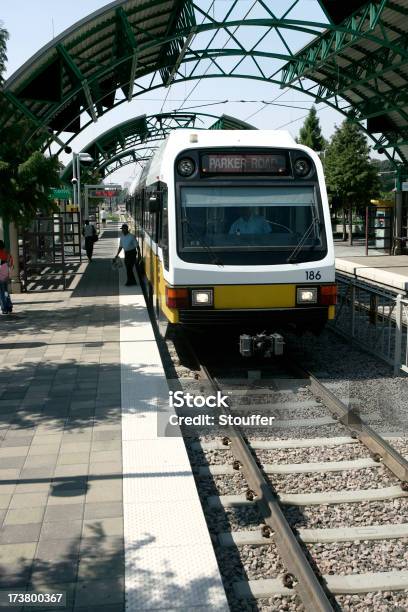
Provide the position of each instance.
(215, 259)
(315, 224)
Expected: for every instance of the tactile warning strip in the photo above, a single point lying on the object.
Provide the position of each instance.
(169, 559)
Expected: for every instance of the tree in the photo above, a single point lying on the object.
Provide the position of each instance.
(26, 175)
(3, 49)
(387, 174)
(310, 134)
(350, 175)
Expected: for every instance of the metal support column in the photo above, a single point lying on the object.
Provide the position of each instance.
(398, 335)
(398, 221)
(14, 251)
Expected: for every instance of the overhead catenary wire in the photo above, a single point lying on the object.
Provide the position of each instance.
(223, 47)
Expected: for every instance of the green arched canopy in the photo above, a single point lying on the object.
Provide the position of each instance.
(354, 57)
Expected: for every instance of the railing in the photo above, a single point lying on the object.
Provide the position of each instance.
(374, 318)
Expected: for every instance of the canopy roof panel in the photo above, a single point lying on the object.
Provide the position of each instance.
(366, 77)
(355, 60)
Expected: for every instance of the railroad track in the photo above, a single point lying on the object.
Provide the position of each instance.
(300, 578)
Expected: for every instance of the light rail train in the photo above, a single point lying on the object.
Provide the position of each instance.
(234, 230)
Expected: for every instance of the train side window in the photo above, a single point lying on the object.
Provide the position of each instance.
(164, 225)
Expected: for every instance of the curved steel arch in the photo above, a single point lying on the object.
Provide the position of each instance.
(133, 140)
(117, 48)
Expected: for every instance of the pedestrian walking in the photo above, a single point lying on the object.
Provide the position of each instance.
(6, 264)
(90, 235)
(129, 244)
(103, 217)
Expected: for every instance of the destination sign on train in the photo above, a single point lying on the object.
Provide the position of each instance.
(232, 163)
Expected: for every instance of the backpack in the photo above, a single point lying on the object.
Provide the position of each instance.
(4, 272)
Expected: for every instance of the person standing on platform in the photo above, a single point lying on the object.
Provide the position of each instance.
(6, 264)
(89, 233)
(129, 244)
(103, 217)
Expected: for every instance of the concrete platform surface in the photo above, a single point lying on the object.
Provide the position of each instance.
(86, 500)
(388, 270)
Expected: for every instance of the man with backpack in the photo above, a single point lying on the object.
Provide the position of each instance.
(90, 235)
(6, 263)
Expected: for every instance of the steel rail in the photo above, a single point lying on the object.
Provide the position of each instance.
(300, 576)
(349, 417)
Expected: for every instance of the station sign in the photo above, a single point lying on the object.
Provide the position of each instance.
(104, 193)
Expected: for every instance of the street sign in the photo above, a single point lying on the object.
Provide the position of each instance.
(404, 186)
(60, 194)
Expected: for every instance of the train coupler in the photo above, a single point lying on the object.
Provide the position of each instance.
(264, 344)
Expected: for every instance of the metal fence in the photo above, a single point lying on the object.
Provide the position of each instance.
(374, 318)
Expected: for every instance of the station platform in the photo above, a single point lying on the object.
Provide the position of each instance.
(93, 502)
(390, 271)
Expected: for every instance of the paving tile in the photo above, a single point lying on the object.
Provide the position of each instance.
(7, 487)
(14, 553)
(103, 526)
(113, 434)
(101, 547)
(20, 442)
(99, 592)
(73, 458)
(17, 534)
(35, 461)
(12, 462)
(58, 549)
(28, 500)
(33, 486)
(15, 575)
(44, 449)
(51, 439)
(103, 510)
(11, 474)
(104, 491)
(73, 497)
(38, 473)
(22, 516)
(105, 455)
(71, 470)
(104, 567)
(64, 512)
(106, 445)
(51, 530)
(100, 468)
(75, 434)
(75, 447)
(62, 569)
(4, 501)
(21, 432)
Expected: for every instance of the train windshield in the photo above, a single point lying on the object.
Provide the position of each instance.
(249, 218)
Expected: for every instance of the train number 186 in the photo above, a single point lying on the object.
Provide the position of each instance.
(313, 275)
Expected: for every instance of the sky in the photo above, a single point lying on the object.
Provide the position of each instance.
(33, 23)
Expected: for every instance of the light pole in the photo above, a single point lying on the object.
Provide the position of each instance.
(86, 158)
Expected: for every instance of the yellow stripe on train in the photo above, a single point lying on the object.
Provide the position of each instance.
(254, 296)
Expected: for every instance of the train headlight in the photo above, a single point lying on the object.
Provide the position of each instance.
(302, 166)
(202, 297)
(306, 295)
(186, 166)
